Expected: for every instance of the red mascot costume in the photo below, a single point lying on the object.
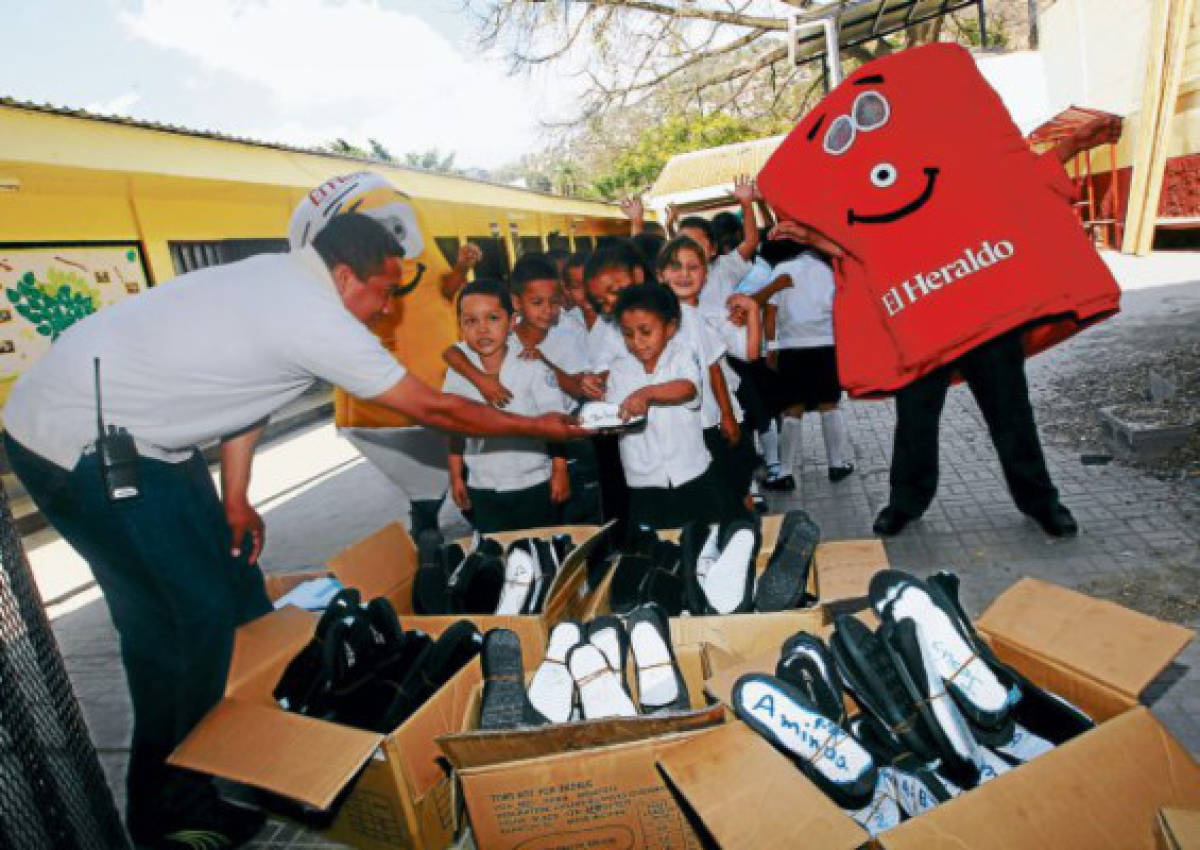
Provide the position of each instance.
(959, 246)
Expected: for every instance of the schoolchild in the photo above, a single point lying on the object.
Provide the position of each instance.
(503, 483)
(800, 296)
(666, 463)
(716, 338)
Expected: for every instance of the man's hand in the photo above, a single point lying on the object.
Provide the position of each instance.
(243, 520)
(469, 255)
(560, 482)
(594, 386)
(806, 235)
(744, 190)
(731, 430)
(635, 404)
(493, 392)
(558, 428)
(458, 492)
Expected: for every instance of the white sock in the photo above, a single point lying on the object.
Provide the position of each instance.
(837, 440)
(770, 447)
(790, 434)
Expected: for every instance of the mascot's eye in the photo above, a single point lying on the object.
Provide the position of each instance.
(883, 174)
(871, 110)
(839, 136)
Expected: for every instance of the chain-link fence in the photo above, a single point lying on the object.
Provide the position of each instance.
(52, 790)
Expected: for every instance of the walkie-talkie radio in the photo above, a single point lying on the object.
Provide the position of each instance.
(117, 453)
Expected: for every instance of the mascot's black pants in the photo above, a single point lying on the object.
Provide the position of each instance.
(995, 372)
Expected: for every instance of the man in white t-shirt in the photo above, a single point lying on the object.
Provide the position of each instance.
(209, 356)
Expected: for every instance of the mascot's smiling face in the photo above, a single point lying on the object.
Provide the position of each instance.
(871, 112)
(904, 148)
(371, 195)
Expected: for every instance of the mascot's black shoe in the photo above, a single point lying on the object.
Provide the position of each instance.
(1057, 521)
(891, 521)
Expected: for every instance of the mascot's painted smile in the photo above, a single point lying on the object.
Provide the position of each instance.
(911, 207)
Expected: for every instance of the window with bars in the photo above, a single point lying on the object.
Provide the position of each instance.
(190, 256)
(530, 245)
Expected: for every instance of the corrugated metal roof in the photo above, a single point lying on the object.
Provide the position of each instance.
(69, 112)
(713, 166)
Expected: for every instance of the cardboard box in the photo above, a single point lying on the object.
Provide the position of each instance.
(403, 796)
(1178, 829)
(591, 784)
(385, 564)
(839, 579)
(1101, 789)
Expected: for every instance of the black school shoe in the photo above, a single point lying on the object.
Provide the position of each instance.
(918, 788)
(209, 822)
(431, 592)
(1043, 713)
(805, 662)
(724, 584)
(609, 635)
(521, 571)
(945, 726)
(783, 583)
(548, 566)
(505, 703)
(664, 584)
(660, 684)
(306, 681)
(825, 752)
(633, 565)
(437, 663)
(868, 670)
(954, 647)
(475, 587)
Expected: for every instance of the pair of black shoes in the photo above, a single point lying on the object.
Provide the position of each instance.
(362, 669)
(1055, 520)
(647, 570)
(720, 565)
(487, 579)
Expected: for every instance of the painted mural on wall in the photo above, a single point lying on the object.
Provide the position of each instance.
(46, 289)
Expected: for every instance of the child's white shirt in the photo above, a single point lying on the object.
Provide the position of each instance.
(724, 273)
(696, 331)
(509, 463)
(669, 451)
(604, 344)
(805, 318)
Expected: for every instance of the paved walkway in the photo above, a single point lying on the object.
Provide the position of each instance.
(318, 496)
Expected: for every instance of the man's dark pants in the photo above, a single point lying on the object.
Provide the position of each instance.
(175, 595)
(995, 373)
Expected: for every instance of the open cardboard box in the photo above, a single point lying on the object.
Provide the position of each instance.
(1101, 789)
(580, 785)
(385, 564)
(839, 579)
(403, 796)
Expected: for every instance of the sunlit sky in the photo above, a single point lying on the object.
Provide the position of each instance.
(405, 72)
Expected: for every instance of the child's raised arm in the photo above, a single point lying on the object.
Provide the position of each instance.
(744, 192)
(489, 386)
(635, 211)
(748, 318)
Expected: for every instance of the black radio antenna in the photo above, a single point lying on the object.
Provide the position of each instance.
(99, 408)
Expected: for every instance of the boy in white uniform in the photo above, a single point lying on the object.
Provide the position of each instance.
(666, 463)
(505, 483)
